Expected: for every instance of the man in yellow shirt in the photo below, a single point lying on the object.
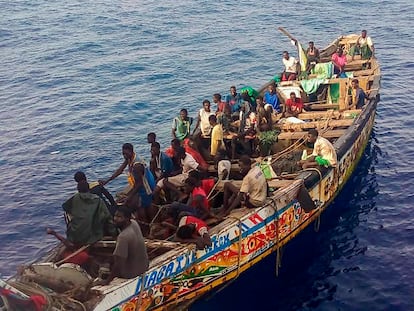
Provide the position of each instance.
(323, 154)
(216, 136)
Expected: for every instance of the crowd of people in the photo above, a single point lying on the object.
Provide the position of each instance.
(174, 189)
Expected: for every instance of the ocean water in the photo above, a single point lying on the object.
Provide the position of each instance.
(80, 78)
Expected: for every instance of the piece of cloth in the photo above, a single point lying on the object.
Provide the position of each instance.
(290, 64)
(255, 185)
(310, 86)
(199, 192)
(130, 245)
(216, 139)
(222, 166)
(182, 127)
(89, 219)
(207, 184)
(78, 259)
(323, 70)
(358, 97)
(220, 106)
(322, 162)
(324, 149)
(189, 163)
(205, 126)
(273, 100)
(201, 226)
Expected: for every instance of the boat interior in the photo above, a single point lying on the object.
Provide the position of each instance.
(329, 110)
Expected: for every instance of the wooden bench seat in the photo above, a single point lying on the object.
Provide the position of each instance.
(298, 135)
(316, 124)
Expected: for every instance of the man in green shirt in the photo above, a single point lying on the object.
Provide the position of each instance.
(181, 125)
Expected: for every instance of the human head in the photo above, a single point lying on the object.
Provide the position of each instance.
(122, 217)
(233, 90)
(195, 175)
(339, 51)
(271, 88)
(186, 231)
(180, 151)
(79, 176)
(175, 143)
(259, 101)
(155, 148)
(292, 95)
(285, 54)
(212, 119)
(139, 168)
(127, 151)
(83, 186)
(311, 44)
(206, 105)
(355, 83)
(363, 33)
(216, 98)
(312, 135)
(183, 114)
(189, 184)
(151, 137)
(245, 164)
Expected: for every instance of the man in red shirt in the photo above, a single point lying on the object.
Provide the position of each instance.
(193, 229)
(293, 106)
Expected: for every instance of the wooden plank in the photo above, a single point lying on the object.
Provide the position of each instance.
(274, 183)
(316, 124)
(298, 135)
(328, 114)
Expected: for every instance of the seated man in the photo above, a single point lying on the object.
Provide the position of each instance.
(271, 98)
(293, 106)
(339, 62)
(161, 165)
(191, 147)
(253, 190)
(264, 117)
(171, 152)
(181, 125)
(100, 191)
(88, 218)
(290, 71)
(312, 54)
(187, 164)
(358, 95)
(363, 47)
(220, 104)
(222, 164)
(323, 154)
(130, 258)
(193, 230)
(245, 141)
(81, 258)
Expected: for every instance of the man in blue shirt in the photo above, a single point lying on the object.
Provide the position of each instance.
(272, 99)
(358, 95)
(234, 99)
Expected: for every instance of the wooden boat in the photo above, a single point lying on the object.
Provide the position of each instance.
(179, 273)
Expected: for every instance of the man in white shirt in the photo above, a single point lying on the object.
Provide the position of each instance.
(323, 154)
(290, 63)
(364, 47)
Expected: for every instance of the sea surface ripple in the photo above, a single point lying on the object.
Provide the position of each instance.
(80, 78)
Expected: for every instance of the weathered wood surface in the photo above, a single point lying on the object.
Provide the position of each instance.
(298, 135)
(316, 124)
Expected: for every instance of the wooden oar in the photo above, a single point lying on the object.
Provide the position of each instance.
(285, 32)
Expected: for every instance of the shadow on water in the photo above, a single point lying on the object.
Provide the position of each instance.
(307, 278)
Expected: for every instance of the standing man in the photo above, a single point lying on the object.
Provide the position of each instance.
(202, 120)
(312, 55)
(181, 125)
(216, 136)
(130, 254)
(290, 63)
(234, 100)
(161, 165)
(220, 104)
(323, 154)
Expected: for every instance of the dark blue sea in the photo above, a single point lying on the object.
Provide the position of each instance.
(80, 78)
